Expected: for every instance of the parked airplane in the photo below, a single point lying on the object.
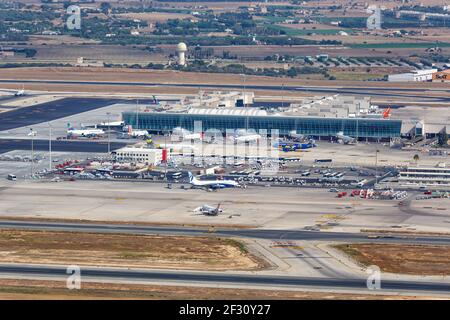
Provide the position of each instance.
(290, 146)
(212, 184)
(137, 133)
(85, 132)
(345, 139)
(180, 134)
(209, 210)
(243, 136)
(296, 136)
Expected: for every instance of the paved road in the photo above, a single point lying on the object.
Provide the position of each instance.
(373, 91)
(215, 278)
(229, 232)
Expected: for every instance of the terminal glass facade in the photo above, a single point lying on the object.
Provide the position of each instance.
(361, 128)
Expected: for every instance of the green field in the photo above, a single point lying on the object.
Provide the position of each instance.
(303, 32)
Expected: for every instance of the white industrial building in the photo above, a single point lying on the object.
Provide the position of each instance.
(138, 155)
(438, 177)
(336, 106)
(413, 76)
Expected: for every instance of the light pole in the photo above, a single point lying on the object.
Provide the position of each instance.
(50, 146)
(376, 166)
(32, 134)
(165, 160)
(109, 132)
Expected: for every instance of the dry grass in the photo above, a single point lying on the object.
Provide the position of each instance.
(145, 251)
(401, 258)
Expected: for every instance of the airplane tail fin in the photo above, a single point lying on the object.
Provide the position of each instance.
(218, 207)
(387, 113)
(191, 177)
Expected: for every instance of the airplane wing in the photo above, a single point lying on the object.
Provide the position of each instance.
(11, 91)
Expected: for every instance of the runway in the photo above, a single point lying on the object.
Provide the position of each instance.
(214, 278)
(268, 234)
(373, 91)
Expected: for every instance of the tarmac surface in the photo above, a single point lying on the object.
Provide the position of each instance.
(211, 278)
(45, 112)
(268, 234)
(7, 145)
(266, 208)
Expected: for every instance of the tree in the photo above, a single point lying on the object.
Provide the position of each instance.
(105, 7)
(443, 138)
(416, 158)
(292, 72)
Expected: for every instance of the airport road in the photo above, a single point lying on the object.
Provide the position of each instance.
(270, 234)
(7, 145)
(212, 278)
(381, 92)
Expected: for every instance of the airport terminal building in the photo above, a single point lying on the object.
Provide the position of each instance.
(239, 118)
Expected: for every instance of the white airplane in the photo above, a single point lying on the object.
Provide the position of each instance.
(345, 139)
(137, 133)
(85, 132)
(212, 184)
(209, 210)
(180, 134)
(243, 136)
(296, 136)
(15, 93)
(19, 93)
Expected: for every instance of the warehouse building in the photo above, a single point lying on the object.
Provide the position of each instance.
(438, 177)
(138, 155)
(413, 76)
